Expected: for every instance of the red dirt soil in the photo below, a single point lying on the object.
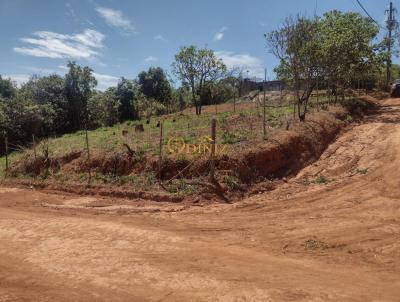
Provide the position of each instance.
(305, 241)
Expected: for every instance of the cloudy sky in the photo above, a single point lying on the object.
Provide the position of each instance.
(121, 38)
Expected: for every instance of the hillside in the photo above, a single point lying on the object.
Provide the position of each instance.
(130, 159)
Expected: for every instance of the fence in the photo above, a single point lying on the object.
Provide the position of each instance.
(231, 125)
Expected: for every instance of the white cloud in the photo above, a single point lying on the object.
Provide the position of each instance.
(104, 81)
(116, 18)
(19, 79)
(62, 67)
(244, 61)
(160, 38)
(60, 46)
(220, 34)
(151, 59)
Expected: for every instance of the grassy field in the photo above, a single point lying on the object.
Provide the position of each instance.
(233, 128)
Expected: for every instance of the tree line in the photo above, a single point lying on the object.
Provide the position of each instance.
(334, 51)
(54, 105)
(331, 52)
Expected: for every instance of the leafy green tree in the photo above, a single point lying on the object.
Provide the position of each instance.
(103, 109)
(198, 68)
(296, 45)
(335, 49)
(346, 47)
(79, 85)
(4, 121)
(23, 118)
(48, 91)
(127, 93)
(220, 91)
(7, 88)
(154, 84)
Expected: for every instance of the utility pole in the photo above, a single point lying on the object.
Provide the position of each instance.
(390, 24)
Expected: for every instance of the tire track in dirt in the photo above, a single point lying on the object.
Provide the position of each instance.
(337, 241)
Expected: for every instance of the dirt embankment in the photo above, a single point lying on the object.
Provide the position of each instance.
(289, 151)
(283, 154)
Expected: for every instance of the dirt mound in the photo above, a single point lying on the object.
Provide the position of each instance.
(105, 163)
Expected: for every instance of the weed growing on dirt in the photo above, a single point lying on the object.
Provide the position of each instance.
(232, 182)
(229, 138)
(180, 187)
(362, 171)
(314, 244)
(319, 180)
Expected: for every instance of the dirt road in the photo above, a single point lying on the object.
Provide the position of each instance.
(330, 234)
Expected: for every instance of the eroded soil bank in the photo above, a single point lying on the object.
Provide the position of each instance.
(281, 155)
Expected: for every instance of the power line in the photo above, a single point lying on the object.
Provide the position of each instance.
(363, 8)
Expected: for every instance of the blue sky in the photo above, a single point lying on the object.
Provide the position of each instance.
(122, 38)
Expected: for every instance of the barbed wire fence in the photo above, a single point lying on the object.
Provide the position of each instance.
(248, 119)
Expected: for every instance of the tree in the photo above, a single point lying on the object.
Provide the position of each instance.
(346, 47)
(335, 49)
(79, 85)
(7, 88)
(103, 109)
(198, 68)
(220, 91)
(296, 45)
(23, 118)
(154, 84)
(48, 92)
(127, 93)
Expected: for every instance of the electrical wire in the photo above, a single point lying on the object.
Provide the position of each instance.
(363, 8)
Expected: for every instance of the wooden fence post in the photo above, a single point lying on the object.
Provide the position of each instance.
(161, 149)
(34, 146)
(294, 105)
(6, 147)
(88, 156)
(213, 142)
(317, 88)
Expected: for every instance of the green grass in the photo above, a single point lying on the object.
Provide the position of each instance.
(362, 171)
(189, 126)
(180, 187)
(319, 180)
(232, 182)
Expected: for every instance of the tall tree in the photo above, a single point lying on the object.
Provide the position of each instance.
(198, 68)
(127, 93)
(49, 91)
(296, 45)
(7, 88)
(79, 85)
(104, 108)
(346, 47)
(154, 84)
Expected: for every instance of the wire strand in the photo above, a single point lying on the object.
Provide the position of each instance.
(363, 8)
